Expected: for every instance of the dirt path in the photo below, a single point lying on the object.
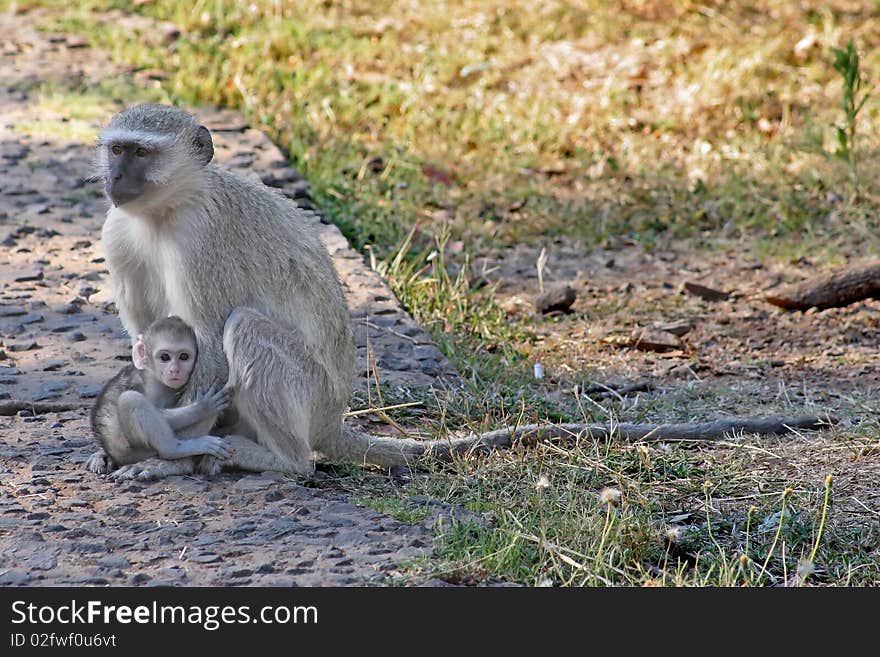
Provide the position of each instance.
(60, 340)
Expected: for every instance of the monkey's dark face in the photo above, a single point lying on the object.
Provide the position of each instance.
(173, 364)
(128, 168)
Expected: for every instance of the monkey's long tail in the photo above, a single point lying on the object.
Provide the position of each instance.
(387, 452)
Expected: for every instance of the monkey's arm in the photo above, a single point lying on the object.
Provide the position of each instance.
(186, 419)
(210, 367)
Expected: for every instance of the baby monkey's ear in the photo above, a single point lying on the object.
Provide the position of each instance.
(139, 353)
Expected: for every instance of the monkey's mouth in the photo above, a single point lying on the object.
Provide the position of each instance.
(118, 195)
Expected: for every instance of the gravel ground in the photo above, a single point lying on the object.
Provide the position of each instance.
(60, 339)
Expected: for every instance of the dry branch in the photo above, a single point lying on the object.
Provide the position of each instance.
(840, 289)
(13, 406)
(691, 431)
(602, 389)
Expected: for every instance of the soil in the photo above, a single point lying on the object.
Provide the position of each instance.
(739, 356)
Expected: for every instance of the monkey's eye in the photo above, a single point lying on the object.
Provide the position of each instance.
(116, 149)
(141, 152)
(165, 358)
(184, 356)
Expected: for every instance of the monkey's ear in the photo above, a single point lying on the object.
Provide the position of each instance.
(204, 144)
(139, 353)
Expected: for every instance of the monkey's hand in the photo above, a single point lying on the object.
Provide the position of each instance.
(100, 463)
(210, 446)
(216, 400)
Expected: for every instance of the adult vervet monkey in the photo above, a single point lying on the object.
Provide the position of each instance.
(244, 267)
(186, 238)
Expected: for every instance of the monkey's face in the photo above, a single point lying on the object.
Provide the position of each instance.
(128, 167)
(173, 364)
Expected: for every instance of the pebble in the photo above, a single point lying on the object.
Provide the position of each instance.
(32, 275)
(11, 311)
(24, 345)
(206, 558)
(88, 392)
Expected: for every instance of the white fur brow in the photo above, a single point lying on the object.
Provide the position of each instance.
(114, 135)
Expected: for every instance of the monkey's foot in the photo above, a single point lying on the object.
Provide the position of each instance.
(99, 463)
(152, 469)
(209, 465)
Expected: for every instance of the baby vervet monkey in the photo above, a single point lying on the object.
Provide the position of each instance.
(134, 416)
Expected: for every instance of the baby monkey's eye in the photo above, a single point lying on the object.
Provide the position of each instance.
(184, 356)
(141, 152)
(116, 149)
(165, 358)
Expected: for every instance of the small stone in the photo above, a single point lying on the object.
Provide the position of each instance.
(85, 290)
(279, 177)
(63, 328)
(88, 392)
(55, 386)
(71, 307)
(677, 329)
(393, 363)
(32, 275)
(12, 151)
(25, 345)
(38, 562)
(77, 336)
(31, 318)
(557, 299)
(253, 483)
(426, 352)
(114, 561)
(206, 558)
(705, 293)
(15, 578)
(654, 340)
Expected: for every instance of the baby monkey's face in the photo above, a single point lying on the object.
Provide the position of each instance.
(173, 363)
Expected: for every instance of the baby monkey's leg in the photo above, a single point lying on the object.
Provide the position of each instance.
(145, 427)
